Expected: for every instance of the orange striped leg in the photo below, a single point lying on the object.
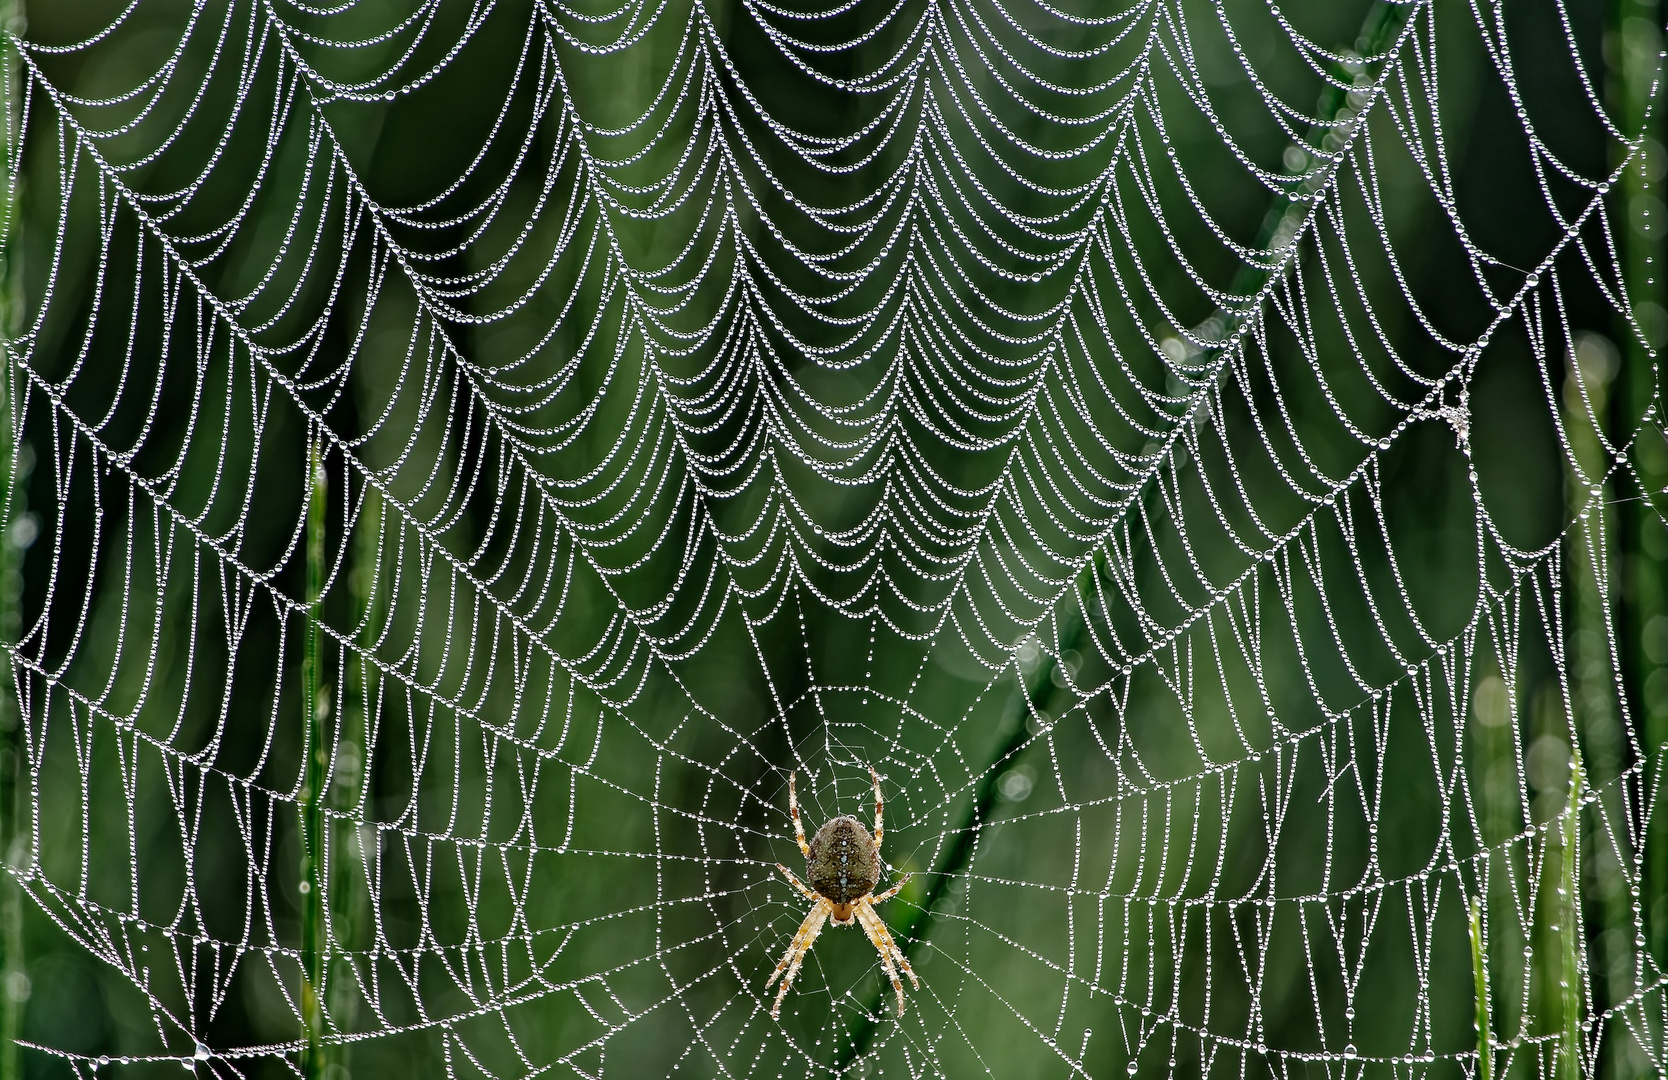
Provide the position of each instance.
(801, 944)
(891, 957)
(793, 808)
(804, 889)
(879, 803)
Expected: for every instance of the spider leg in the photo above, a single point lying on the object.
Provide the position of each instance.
(891, 957)
(893, 891)
(801, 944)
(793, 808)
(804, 889)
(897, 953)
(879, 803)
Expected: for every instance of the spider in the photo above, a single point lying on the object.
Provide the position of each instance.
(843, 865)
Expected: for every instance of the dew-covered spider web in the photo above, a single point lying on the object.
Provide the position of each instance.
(1206, 456)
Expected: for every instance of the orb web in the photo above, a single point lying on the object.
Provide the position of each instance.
(1204, 456)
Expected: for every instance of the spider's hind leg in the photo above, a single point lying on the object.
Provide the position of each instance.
(804, 889)
(893, 891)
(891, 957)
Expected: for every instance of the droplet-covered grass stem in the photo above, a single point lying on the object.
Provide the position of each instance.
(315, 778)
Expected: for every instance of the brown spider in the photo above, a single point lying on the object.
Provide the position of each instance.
(843, 864)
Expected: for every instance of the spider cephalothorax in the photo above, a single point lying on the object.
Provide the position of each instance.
(842, 863)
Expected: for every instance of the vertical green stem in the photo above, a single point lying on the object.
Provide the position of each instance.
(1632, 47)
(315, 707)
(14, 980)
(351, 785)
(1594, 729)
(1479, 969)
(1568, 927)
(1604, 607)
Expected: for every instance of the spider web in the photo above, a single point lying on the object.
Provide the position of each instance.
(468, 455)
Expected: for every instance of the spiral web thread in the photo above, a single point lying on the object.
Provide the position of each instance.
(433, 574)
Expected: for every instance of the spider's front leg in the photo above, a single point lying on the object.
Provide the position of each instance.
(793, 809)
(880, 804)
(801, 944)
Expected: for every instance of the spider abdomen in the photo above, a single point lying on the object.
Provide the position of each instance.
(844, 863)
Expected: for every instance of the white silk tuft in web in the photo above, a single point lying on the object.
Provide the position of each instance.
(1206, 457)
